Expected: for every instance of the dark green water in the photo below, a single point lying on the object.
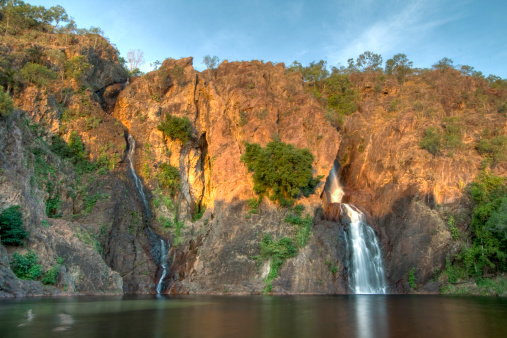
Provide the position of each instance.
(362, 316)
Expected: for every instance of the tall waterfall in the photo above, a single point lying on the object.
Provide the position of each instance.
(137, 180)
(366, 269)
(163, 264)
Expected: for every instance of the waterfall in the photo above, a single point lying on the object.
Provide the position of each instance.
(366, 271)
(137, 180)
(163, 264)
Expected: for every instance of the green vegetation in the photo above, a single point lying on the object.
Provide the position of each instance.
(176, 128)
(88, 237)
(281, 250)
(411, 279)
(280, 171)
(199, 212)
(25, 266)
(483, 287)
(399, 66)
(254, 203)
(277, 252)
(452, 226)
(6, 104)
(12, 231)
(37, 74)
(493, 147)
(169, 178)
(49, 277)
(451, 139)
(178, 225)
(487, 251)
(303, 225)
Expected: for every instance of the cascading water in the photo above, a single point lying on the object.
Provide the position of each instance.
(366, 272)
(139, 184)
(163, 264)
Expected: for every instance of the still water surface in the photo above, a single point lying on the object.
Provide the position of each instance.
(364, 316)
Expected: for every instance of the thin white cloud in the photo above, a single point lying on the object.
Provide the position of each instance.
(391, 33)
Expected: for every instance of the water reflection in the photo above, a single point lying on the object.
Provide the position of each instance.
(363, 316)
(371, 316)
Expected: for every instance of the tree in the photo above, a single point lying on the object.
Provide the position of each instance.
(443, 64)
(25, 266)
(97, 32)
(37, 74)
(315, 72)
(135, 58)
(155, 64)
(6, 104)
(211, 63)
(400, 66)
(12, 231)
(176, 128)
(369, 62)
(280, 169)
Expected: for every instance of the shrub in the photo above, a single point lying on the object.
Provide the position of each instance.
(25, 266)
(6, 104)
(37, 74)
(281, 170)
(411, 279)
(432, 141)
(176, 128)
(494, 147)
(278, 252)
(488, 249)
(12, 231)
(169, 178)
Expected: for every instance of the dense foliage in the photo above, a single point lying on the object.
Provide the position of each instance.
(176, 128)
(286, 247)
(6, 104)
(488, 248)
(450, 139)
(25, 266)
(12, 231)
(280, 171)
(169, 178)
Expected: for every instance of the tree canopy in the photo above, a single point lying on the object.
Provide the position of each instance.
(280, 171)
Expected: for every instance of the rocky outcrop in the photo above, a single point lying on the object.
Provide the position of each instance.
(407, 192)
(110, 241)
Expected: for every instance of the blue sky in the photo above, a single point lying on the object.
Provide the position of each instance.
(470, 32)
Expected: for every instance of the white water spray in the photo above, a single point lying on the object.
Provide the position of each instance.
(163, 263)
(139, 184)
(366, 272)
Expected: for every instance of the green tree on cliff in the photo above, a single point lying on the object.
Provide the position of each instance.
(12, 231)
(6, 104)
(211, 63)
(400, 66)
(280, 170)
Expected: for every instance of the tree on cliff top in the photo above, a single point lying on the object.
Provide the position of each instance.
(280, 169)
(135, 58)
(211, 63)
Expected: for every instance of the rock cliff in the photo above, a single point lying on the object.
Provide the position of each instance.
(109, 239)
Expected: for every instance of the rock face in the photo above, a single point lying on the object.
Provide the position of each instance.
(110, 242)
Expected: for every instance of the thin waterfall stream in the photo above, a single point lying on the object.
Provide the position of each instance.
(163, 250)
(137, 180)
(163, 263)
(366, 272)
